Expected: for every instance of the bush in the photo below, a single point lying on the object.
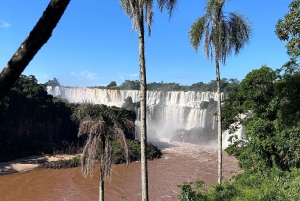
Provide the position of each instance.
(134, 151)
(263, 186)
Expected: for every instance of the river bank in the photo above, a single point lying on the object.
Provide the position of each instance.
(30, 163)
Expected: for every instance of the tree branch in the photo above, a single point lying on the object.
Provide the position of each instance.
(28, 49)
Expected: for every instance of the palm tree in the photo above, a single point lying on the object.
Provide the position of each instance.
(102, 124)
(136, 9)
(36, 39)
(222, 33)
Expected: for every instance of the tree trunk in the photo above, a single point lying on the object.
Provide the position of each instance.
(101, 182)
(36, 39)
(219, 120)
(143, 90)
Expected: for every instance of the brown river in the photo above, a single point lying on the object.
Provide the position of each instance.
(181, 162)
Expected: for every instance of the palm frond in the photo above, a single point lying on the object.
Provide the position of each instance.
(196, 32)
(130, 8)
(92, 127)
(120, 137)
(88, 110)
(224, 42)
(226, 33)
(170, 5)
(129, 124)
(240, 31)
(149, 15)
(207, 39)
(214, 7)
(88, 156)
(102, 123)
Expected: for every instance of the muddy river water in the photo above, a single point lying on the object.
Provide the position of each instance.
(180, 162)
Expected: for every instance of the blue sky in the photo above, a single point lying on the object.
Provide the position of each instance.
(93, 43)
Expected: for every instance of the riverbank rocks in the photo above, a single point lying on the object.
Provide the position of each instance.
(8, 171)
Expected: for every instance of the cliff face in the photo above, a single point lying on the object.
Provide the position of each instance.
(167, 109)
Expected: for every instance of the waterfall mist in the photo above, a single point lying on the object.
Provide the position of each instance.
(167, 111)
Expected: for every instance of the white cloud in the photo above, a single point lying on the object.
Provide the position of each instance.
(89, 75)
(134, 75)
(4, 24)
(85, 74)
(128, 76)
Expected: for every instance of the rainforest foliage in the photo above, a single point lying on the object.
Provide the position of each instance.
(259, 186)
(270, 153)
(33, 122)
(267, 104)
(288, 29)
(272, 132)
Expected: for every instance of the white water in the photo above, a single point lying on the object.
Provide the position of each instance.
(167, 111)
(116, 97)
(174, 109)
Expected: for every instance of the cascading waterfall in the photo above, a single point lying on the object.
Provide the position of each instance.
(166, 109)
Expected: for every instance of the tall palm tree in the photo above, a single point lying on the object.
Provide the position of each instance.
(39, 35)
(223, 33)
(136, 9)
(101, 124)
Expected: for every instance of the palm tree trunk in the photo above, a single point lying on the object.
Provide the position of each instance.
(101, 182)
(36, 39)
(144, 169)
(219, 120)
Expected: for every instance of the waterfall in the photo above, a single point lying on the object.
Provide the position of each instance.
(239, 133)
(172, 109)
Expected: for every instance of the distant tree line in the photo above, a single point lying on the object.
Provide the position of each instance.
(52, 83)
(227, 86)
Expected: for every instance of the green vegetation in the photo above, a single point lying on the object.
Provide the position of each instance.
(270, 100)
(134, 152)
(270, 156)
(288, 29)
(34, 123)
(273, 131)
(112, 85)
(69, 163)
(129, 104)
(52, 83)
(275, 185)
(102, 124)
(227, 86)
(222, 33)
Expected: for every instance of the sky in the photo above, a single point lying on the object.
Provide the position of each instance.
(93, 44)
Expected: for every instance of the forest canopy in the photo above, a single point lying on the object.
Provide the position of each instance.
(227, 85)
